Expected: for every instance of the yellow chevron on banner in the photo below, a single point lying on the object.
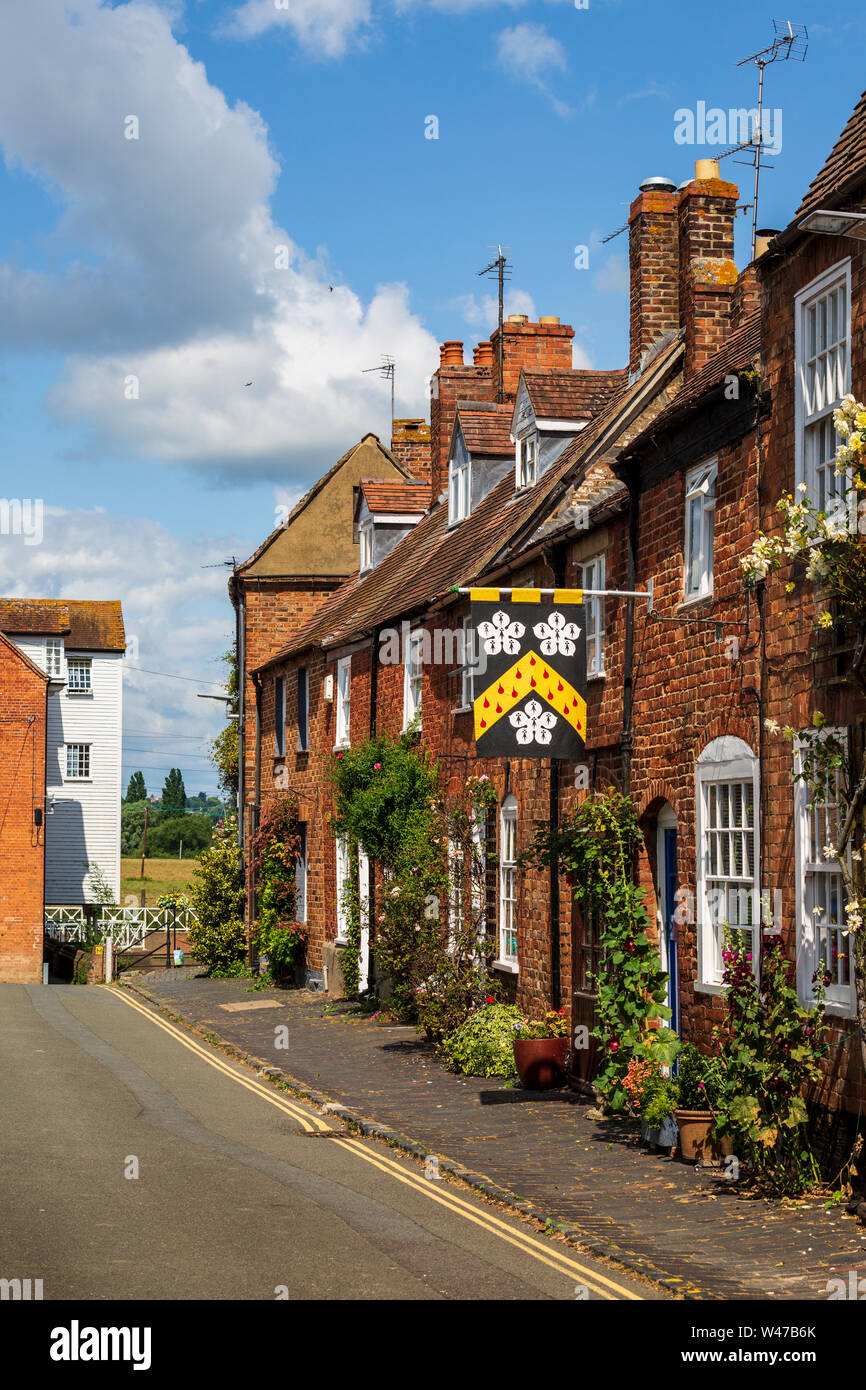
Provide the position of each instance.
(530, 675)
(568, 596)
(484, 595)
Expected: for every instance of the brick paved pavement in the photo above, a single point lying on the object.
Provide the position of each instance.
(593, 1175)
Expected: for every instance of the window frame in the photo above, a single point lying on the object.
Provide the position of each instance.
(594, 611)
(841, 999)
(365, 546)
(54, 644)
(87, 775)
(507, 923)
(834, 277)
(301, 874)
(344, 703)
(725, 761)
(413, 679)
(303, 708)
(280, 716)
(83, 664)
(700, 481)
(467, 665)
(343, 873)
(459, 490)
(527, 446)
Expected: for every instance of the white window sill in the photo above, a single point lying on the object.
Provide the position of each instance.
(507, 967)
(463, 709)
(694, 600)
(77, 781)
(341, 747)
(597, 676)
(79, 694)
(834, 1007)
(703, 988)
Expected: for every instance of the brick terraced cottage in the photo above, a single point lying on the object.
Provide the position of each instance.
(656, 475)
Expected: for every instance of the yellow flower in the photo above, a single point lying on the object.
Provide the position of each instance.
(789, 588)
(825, 619)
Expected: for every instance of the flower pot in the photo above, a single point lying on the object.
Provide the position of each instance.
(698, 1143)
(540, 1062)
(664, 1138)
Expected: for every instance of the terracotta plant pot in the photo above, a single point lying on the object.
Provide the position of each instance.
(540, 1062)
(698, 1144)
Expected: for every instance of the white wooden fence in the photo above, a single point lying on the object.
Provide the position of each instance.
(128, 927)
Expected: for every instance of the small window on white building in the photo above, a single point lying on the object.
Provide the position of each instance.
(592, 577)
(77, 761)
(54, 656)
(459, 490)
(78, 671)
(822, 331)
(728, 853)
(527, 460)
(344, 701)
(508, 883)
(821, 896)
(700, 526)
(365, 538)
(413, 679)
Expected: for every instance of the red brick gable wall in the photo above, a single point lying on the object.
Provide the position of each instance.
(22, 789)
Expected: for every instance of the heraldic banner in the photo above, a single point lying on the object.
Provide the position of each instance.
(533, 658)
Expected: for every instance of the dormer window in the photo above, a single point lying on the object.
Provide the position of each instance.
(365, 536)
(527, 460)
(458, 490)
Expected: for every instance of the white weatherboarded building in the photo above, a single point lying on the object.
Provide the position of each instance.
(80, 644)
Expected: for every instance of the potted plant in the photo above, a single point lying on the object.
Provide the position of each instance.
(700, 1087)
(652, 1092)
(540, 1050)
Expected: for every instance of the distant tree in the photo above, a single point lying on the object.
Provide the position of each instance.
(195, 831)
(136, 791)
(224, 748)
(173, 791)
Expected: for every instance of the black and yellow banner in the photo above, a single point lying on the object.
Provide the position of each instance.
(533, 654)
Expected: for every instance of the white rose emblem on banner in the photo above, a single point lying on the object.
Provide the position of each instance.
(557, 636)
(533, 724)
(501, 634)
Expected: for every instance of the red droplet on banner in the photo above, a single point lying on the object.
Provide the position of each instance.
(550, 696)
(574, 704)
(565, 709)
(532, 680)
(500, 691)
(545, 674)
(484, 723)
(486, 703)
(513, 693)
(559, 687)
(519, 676)
(498, 709)
(532, 661)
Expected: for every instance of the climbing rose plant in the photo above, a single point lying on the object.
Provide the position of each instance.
(829, 549)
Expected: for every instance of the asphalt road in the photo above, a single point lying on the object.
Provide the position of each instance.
(136, 1162)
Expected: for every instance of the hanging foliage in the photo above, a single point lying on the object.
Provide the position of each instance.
(275, 850)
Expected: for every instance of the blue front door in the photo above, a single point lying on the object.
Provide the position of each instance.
(671, 943)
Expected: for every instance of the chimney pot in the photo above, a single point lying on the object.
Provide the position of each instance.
(657, 184)
(763, 237)
(706, 169)
(451, 354)
(518, 318)
(549, 318)
(483, 354)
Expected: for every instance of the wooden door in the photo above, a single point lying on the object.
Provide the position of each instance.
(586, 957)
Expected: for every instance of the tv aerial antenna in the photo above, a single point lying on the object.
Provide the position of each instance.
(388, 370)
(790, 41)
(501, 268)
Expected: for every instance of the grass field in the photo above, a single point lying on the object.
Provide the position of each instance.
(160, 876)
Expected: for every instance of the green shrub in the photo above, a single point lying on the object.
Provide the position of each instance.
(483, 1045)
(218, 938)
(700, 1080)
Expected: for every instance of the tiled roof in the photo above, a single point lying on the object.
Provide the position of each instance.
(486, 428)
(572, 395)
(85, 624)
(385, 495)
(845, 162)
(433, 557)
(740, 351)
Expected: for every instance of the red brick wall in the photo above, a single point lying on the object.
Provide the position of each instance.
(536, 346)
(653, 272)
(22, 789)
(706, 211)
(410, 445)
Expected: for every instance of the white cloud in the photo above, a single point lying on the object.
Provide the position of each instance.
(175, 609)
(325, 28)
(613, 276)
(180, 276)
(528, 53)
(482, 311)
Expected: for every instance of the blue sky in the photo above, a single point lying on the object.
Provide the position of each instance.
(300, 124)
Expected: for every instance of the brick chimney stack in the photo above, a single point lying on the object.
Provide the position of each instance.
(452, 382)
(653, 252)
(542, 346)
(708, 274)
(410, 445)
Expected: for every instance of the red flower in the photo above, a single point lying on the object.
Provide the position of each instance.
(490, 999)
(614, 1047)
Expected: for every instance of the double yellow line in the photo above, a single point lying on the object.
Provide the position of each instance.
(546, 1253)
(311, 1124)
